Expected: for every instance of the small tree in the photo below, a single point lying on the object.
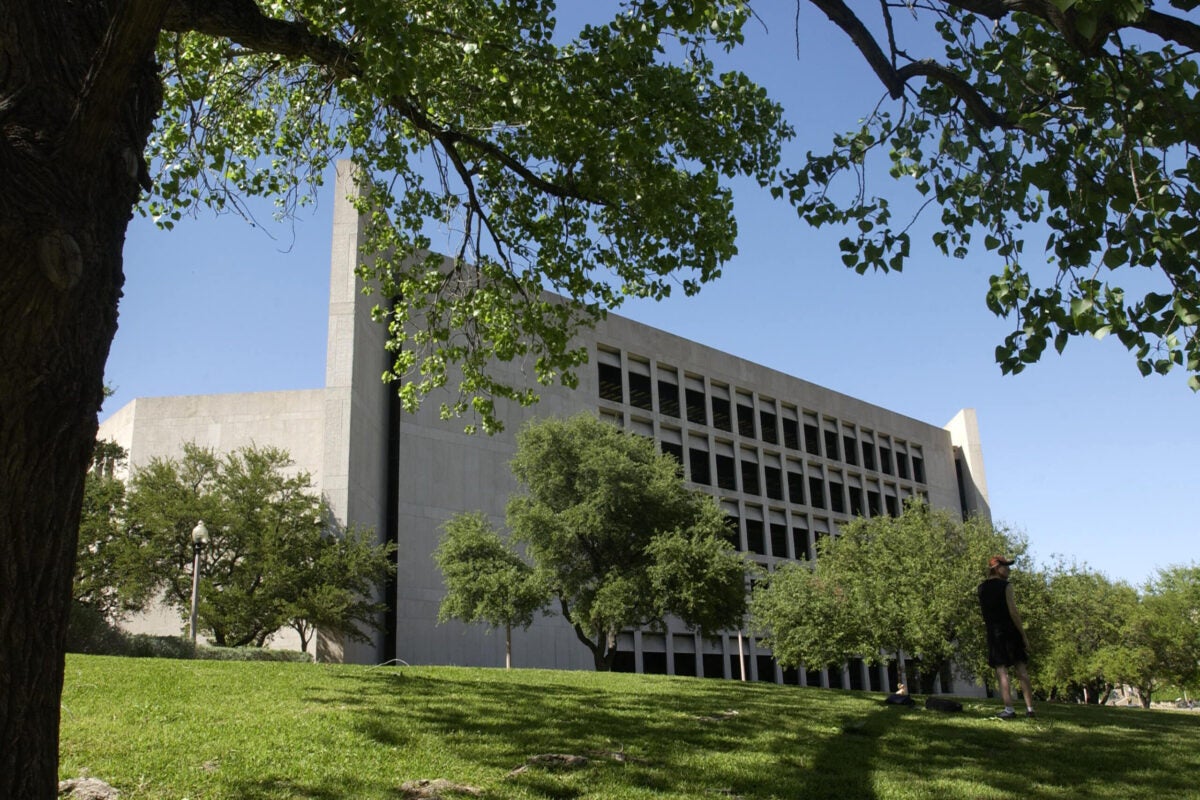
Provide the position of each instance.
(100, 584)
(485, 580)
(616, 536)
(270, 560)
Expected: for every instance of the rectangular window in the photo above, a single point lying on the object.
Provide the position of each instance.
(611, 387)
(868, 453)
(754, 537)
(902, 464)
(850, 450)
(816, 491)
(800, 544)
(698, 461)
(696, 410)
(856, 501)
(779, 540)
(732, 534)
(745, 416)
(774, 480)
(722, 414)
(831, 445)
(639, 391)
(874, 503)
(750, 478)
(885, 460)
(791, 434)
(892, 505)
(673, 449)
(812, 439)
(668, 399)
(918, 468)
(795, 487)
(837, 503)
(726, 473)
(769, 427)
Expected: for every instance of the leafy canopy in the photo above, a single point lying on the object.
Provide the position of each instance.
(617, 537)
(272, 559)
(595, 162)
(1073, 119)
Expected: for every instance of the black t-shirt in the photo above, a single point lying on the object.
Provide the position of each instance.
(993, 602)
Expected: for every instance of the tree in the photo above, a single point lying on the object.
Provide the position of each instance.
(485, 580)
(617, 538)
(99, 577)
(270, 561)
(596, 164)
(1073, 120)
(1086, 613)
(883, 587)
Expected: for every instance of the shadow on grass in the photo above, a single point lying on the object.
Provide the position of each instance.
(694, 738)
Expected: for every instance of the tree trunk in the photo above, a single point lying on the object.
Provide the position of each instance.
(508, 646)
(78, 93)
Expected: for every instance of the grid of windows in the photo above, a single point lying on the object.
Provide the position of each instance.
(787, 476)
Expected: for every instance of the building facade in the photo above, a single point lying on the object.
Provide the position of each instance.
(789, 461)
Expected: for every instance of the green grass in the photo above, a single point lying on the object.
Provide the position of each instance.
(197, 729)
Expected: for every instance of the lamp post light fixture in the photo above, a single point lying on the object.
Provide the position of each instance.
(199, 540)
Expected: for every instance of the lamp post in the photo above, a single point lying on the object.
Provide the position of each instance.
(199, 540)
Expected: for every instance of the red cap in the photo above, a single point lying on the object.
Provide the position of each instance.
(996, 561)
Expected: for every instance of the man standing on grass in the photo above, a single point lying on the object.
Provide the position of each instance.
(1006, 641)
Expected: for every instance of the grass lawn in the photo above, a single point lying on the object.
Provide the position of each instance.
(205, 729)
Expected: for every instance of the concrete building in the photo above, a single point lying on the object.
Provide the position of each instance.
(790, 461)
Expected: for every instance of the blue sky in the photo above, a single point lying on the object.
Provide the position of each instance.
(1085, 456)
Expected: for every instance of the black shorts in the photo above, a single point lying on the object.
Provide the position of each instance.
(1005, 648)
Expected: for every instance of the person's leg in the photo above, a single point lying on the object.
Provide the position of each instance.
(1026, 686)
(1005, 688)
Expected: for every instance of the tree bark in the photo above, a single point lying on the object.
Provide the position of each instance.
(78, 93)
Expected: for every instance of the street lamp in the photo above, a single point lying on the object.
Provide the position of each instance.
(199, 539)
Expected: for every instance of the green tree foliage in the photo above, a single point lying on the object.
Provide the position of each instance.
(1074, 120)
(101, 564)
(1084, 613)
(617, 538)
(271, 560)
(485, 580)
(883, 586)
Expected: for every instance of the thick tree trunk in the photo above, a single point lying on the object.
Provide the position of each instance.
(78, 92)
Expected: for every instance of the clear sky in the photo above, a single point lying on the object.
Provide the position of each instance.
(1089, 459)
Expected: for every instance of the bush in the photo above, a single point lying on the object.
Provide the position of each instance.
(89, 632)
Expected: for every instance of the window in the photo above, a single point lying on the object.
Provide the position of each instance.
(868, 453)
(816, 491)
(892, 505)
(791, 434)
(668, 399)
(696, 411)
(831, 445)
(779, 540)
(795, 487)
(885, 460)
(768, 426)
(837, 503)
(902, 464)
(726, 473)
(745, 416)
(800, 544)
(773, 477)
(812, 440)
(732, 534)
(850, 450)
(673, 449)
(722, 414)
(856, 501)
(611, 387)
(639, 391)
(698, 460)
(918, 465)
(874, 503)
(754, 537)
(750, 477)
